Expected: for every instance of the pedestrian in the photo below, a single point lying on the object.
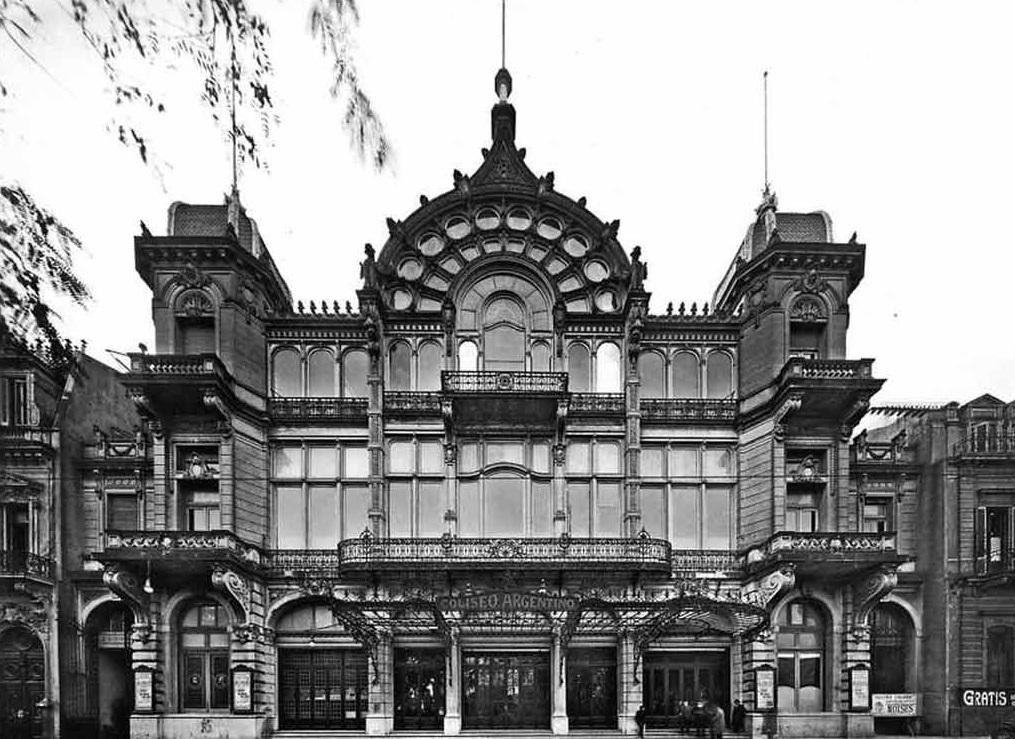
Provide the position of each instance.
(718, 721)
(639, 718)
(737, 716)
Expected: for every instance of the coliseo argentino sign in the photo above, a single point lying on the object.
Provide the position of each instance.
(507, 601)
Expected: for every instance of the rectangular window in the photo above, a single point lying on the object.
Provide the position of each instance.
(290, 517)
(716, 519)
(653, 510)
(357, 509)
(803, 505)
(470, 509)
(542, 509)
(578, 457)
(196, 335)
(323, 530)
(323, 462)
(399, 508)
(684, 516)
(431, 508)
(14, 401)
(121, 512)
(607, 509)
(357, 462)
(578, 502)
(201, 508)
(401, 457)
(877, 515)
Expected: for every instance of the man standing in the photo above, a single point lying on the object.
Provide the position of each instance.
(737, 716)
(639, 718)
(718, 721)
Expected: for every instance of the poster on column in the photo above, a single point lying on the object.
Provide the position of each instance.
(764, 689)
(242, 692)
(143, 692)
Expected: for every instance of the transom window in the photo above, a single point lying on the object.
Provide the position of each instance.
(204, 657)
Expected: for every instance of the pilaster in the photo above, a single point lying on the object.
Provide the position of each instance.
(380, 711)
(558, 688)
(453, 688)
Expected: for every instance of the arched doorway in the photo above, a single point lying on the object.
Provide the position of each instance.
(891, 659)
(107, 651)
(22, 684)
(803, 660)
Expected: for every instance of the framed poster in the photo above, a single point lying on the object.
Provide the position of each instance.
(144, 689)
(859, 688)
(764, 688)
(243, 689)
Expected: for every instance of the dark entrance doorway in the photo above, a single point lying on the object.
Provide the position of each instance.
(675, 683)
(22, 684)
(322, 689)
(419, 688)
(592, 688)
(891, 640)
(506, 690)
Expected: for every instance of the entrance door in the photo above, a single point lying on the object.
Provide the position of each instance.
(676, 685)
(592, 688)
(419, 688)
(506, 690)
(322, 689)
(22, 684)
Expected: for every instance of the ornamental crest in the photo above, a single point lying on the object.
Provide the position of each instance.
(194, 303)
(808, 309)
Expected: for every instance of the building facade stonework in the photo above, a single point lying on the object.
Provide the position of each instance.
(498, 492)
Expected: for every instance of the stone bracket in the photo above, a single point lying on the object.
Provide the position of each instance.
(125, 584)
(236, 587)
(766, 590)
(868, 592)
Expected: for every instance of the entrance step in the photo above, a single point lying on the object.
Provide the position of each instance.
(503, 734)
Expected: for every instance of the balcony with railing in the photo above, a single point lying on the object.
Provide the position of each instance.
(24, 436)
(722, 562)
(826, 390)
(504, 383)
(999, 563)
(178, 383)
(996, 444)
(179, 548)
(317, 410)
(508, 400)
(688, 410)
(295, 563)
(18, 565)
(597, 405)
(412, 404)
(830, 553)
(369, 555)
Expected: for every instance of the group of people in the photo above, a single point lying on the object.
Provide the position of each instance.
(701, 717)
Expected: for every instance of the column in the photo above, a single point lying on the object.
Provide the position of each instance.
(453, 688)
(558, 688)
(380, 712)
(629, 689)
(753, 654)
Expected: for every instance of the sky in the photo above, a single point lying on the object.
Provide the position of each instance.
(895, 117)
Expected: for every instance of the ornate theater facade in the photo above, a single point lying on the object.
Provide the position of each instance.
(498, 493)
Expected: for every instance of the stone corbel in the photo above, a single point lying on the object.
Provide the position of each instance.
(214, 401)
(125, 584)
(853, 415)
(867, 593)
(142, 402)
(791, 404)
(236, 587)
(772, 586)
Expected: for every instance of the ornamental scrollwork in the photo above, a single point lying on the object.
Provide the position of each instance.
(191, 277)
(808, 309)
(235, 586)
(31, 614)
(811, 282)
(125, 584)
(248, 632)
(872, 589)
(194, 303)
(765, 591)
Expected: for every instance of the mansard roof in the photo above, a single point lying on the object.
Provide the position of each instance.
(503, 214)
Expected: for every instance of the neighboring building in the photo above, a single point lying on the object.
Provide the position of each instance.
(500, 494)
(960, 462)
(48, 403)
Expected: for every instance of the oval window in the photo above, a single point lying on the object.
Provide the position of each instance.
(401, 299)
(596, 271)
(576, 245)
(519, 219)
(457, 227)
(430, 244)
(549, 228)
(410, 269)
(487, 219)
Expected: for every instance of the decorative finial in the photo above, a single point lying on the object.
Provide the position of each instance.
(502, 84)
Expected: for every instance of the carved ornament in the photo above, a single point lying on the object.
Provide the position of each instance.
(235, 586)
(867, 593)
(769, 588)
(125, 584)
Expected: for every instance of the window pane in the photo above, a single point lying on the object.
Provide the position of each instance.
(286, 373)
(192, 640)
(684, 516)
(684, 462)
(505, 451)
(718, 462)
(719, 375)
(193, 680)
(357, 461)
(685, 377)
(578, 369)
(469, 509)
(578, 457)
(357, 508)
(651, 461)
(787, 671)
(468, 460)
(542, 509)
(717, 517)
(400, 360)
(288, 461)
(399, 509)
(608, 368)
(121, 512)
(504, 349)
(810, 670)
(218, 640)
(578, 501)
(322, 374)
(608, 509)
(541, 456)
(653, 514)
(431, 456)
(468, 356)
(323, 518)
(354, 374)
(290, 518)
(214, 518)
(431, 508)
(401, 457)
(540, 357)
(429, 367)
(323, 461)
(607, 457)
(504, 506)
(650, 371)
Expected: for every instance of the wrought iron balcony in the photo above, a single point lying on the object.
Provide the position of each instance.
(997, 444)
(19, 564)
(689, 410)
(317, 410)
(179, 546)
(726, 561)
(829, 553)
(528, 383)
(367, 554)
(596, 405)
(290, 563)
(403, 403)
(998, 562)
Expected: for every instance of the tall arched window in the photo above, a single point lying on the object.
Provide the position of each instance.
(429, 376)
(802, 660)
(468, 356)
(204, 657)
(686, 377)
(891, 649)
(540, 357)
(650, 370)
(399, 366)
(285, 374)
(719, 375)
(321, 374)
(504, 335)
(354, 374)
(579, 369)
(608, 371)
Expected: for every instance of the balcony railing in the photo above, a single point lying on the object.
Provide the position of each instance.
(295, 562)
(689, 410)
(596, 404)
(833, 542)
(14, 563)
(998, 562)
(27, 435)
(412, 404)
(994, 444)
(828, 369)
(368, 554)
(194, 544)
(706, 560)
(176, 364)
(554, 383)
(309, 410)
